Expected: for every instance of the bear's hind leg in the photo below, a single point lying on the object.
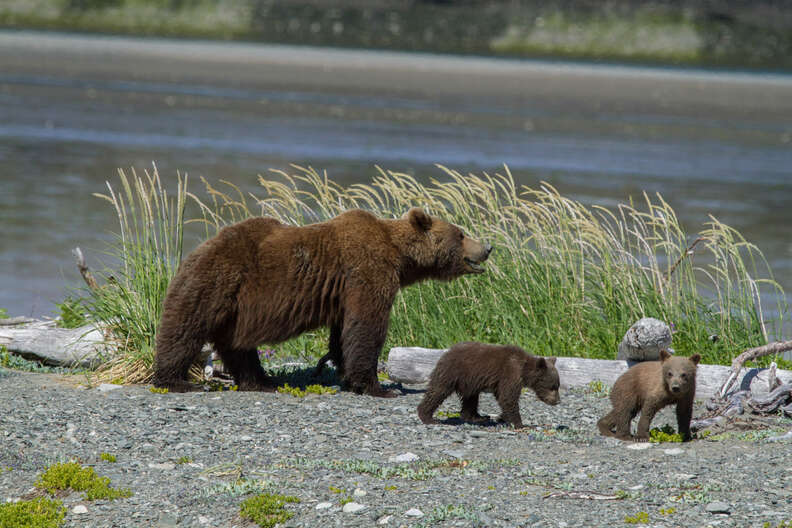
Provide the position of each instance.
(245, 367)
(470, 409)
(431, 401)
(172, 363)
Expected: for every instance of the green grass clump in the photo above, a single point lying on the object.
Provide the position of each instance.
(148, 248)
(107, 457)
(638, 518)
(297, 392)
(184, 460)
(782, 524)
(664, 434)
(599, 388)
(36, 513)
(12, 361)
(3, 313)
(158, 390)
(71, 475)
(267, 510)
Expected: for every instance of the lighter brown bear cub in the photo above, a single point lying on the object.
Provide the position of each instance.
(472, 368)
(648, 387)
(260, 281)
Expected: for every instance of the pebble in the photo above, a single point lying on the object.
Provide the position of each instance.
(674, 451)
(385, 519)
(352, 507)
(324, 505)
(359, 492)
(639, 446)
(107, 387)
(404, 457)
(478, 434)
(718, 507)
(414, 512)
(684, 476)
(79, 509)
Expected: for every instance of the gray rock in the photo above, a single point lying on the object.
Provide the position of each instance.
(353, 507)
(404, 457)
(414, 512)
(718, 507)
(644, 340)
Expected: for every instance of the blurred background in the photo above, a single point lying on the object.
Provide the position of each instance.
(604, 100)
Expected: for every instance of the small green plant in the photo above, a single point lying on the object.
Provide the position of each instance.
(12, 361)
(391, 488)
(449, 414)
(71, 475)
(782, 524)
(336, 490)
(598, 388)
(297, 392)
(184, 460)
(382, 376)
(639, 518)
(450, 511)
(72, 313)
(267, 510)
(664, 434)
(107, 457)
(346, 499)
(3, 313)
(667, 511)
(238, 487)
(159, 390)
(40, 512)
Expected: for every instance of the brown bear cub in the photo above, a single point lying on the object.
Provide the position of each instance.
(648, 387)
(261, 281)
(472, 368)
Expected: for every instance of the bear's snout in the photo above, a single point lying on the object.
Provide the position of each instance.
(675, 388)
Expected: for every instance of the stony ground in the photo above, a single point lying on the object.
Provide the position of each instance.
(191, 459)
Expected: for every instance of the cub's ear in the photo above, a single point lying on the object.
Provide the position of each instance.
(695, 358)
(541, 364)
(664, 354)
(419, 219)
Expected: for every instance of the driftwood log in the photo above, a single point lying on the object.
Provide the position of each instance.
(412, 365)
(43, 341)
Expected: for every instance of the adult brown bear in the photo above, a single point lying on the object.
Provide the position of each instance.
(260, 281)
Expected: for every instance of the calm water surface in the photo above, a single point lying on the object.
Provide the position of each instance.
(74, 109)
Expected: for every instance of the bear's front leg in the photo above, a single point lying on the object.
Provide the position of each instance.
(361, 342)
(684, 412)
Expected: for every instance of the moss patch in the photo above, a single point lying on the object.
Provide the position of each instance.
(71, 475)
(267, 510)
(37, 513)
(297, 392)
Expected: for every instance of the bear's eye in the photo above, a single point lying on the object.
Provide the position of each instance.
(461, 235)
(670, 374)
(683, 376)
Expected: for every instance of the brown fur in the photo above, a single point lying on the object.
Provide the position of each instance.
(260, 281)
(648, 387)
(472, 368)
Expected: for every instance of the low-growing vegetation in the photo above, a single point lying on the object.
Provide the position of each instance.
(107, 457)
(267, 510)
(297, 392)
(664, 434)
(578, 276)
(40, 512)
(72, 476)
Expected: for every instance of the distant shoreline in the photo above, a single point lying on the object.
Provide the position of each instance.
(718, 36)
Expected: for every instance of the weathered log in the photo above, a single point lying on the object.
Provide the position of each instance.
(774, 348)
(412, 365)
(43, 341)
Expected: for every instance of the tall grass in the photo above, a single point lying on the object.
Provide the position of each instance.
(148, 248)
(565, 278)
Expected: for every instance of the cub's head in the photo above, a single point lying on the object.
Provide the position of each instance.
(542, 378)
(679, 373)
(441, 250)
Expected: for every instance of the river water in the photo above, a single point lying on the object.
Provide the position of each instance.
(73, 109)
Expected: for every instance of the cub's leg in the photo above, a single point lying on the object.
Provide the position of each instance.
(431, 401)
(508, 398)
(470, 409)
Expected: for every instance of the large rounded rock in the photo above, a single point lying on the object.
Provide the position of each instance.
(644, 340)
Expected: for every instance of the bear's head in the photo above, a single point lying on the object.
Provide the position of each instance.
(541, 376)
(679, 373)
(438, 249)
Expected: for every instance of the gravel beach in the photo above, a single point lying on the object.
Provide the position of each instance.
(191, 459)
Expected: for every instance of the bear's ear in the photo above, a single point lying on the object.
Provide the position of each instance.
(551, 360)
(695, 358)
(541, 364)
(419, 219)
(664, 354)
